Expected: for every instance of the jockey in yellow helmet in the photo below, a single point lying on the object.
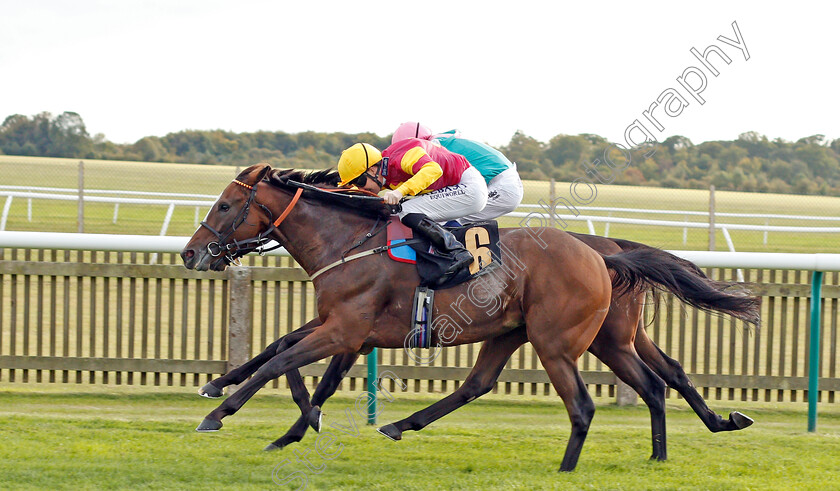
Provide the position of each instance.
(444, 184)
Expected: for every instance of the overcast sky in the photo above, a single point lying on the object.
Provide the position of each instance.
(133, 68)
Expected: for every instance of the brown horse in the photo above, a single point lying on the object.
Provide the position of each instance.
(621, 334)
(559, 290)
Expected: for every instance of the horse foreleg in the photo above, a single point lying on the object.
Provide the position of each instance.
(335, 372)
(215, 388)
(491, 360)
(318, 345)
(673, 374)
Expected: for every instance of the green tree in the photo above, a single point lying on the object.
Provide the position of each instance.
(527, 152)
(150, 149)
(566, 151)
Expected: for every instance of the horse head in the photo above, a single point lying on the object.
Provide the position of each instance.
(244, 221)
(236, 224)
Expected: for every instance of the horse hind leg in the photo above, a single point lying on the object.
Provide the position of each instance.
(673, 374)
(568, 383)
(626, 364)
(489, 364)
(559, 349)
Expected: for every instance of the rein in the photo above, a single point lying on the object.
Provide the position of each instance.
(238, 248)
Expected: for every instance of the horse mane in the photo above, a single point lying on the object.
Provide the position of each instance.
(326, 180)
(320, 178)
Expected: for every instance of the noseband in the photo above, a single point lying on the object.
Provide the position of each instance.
(232, 251)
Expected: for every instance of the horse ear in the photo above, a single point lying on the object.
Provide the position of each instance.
(264, 172)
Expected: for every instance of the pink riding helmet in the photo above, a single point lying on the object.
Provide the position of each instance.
(411, 129)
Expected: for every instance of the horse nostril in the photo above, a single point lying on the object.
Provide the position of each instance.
(187, 254)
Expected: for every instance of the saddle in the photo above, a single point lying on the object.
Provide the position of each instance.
(480, 238)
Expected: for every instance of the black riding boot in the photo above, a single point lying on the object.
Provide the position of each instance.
(443, 241)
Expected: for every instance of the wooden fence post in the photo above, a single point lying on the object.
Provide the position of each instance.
(241, 309)
(81, 219)
(552, 192)
(624, 394)
(711, 218)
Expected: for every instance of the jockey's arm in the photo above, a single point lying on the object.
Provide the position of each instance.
(423, 170)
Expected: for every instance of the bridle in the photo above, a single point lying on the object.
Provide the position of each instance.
(234, 250)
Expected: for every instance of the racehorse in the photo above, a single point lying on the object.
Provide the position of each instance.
(621, 333)
(561, 294)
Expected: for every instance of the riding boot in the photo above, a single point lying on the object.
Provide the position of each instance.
(443, 241)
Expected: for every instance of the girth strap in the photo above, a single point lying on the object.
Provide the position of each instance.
(377, 250)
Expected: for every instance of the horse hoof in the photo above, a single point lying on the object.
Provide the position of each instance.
(272, 447)
(740, 420)
(210, 391)
(391, 432)
(315, 418)
(209, 425)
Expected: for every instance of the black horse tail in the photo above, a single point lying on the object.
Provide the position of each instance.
(638, 269)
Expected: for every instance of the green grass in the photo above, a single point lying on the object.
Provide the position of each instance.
(60, 216)
(118, 438)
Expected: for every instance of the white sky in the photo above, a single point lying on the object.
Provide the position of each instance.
(134, 68)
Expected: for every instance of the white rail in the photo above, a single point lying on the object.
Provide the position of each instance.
(153, 243)
(100, 242)
(104, 191)
(542, 212)
(671, 223)
(762, 260)
(170, 203)
(107, 199)
(693, 213)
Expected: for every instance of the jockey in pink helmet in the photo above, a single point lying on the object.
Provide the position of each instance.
(411, 130)
(503, 183)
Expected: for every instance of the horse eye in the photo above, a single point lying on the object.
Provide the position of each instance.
(224, 207)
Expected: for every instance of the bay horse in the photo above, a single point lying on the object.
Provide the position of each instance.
(621, 334)
(560, 296)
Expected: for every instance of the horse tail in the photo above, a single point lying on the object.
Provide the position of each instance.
(638, 269)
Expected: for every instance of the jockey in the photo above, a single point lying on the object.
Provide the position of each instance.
(445, 185)
(503, 183)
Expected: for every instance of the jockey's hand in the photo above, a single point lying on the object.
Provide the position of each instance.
(393, 197)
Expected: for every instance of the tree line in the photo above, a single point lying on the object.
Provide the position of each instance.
(752, 162)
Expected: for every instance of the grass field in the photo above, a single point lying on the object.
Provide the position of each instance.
(60, 216)
(119, 438)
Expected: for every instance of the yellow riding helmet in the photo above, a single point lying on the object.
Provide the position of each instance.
(356, 160)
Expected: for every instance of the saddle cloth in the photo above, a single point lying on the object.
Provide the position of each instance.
(480, 238)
